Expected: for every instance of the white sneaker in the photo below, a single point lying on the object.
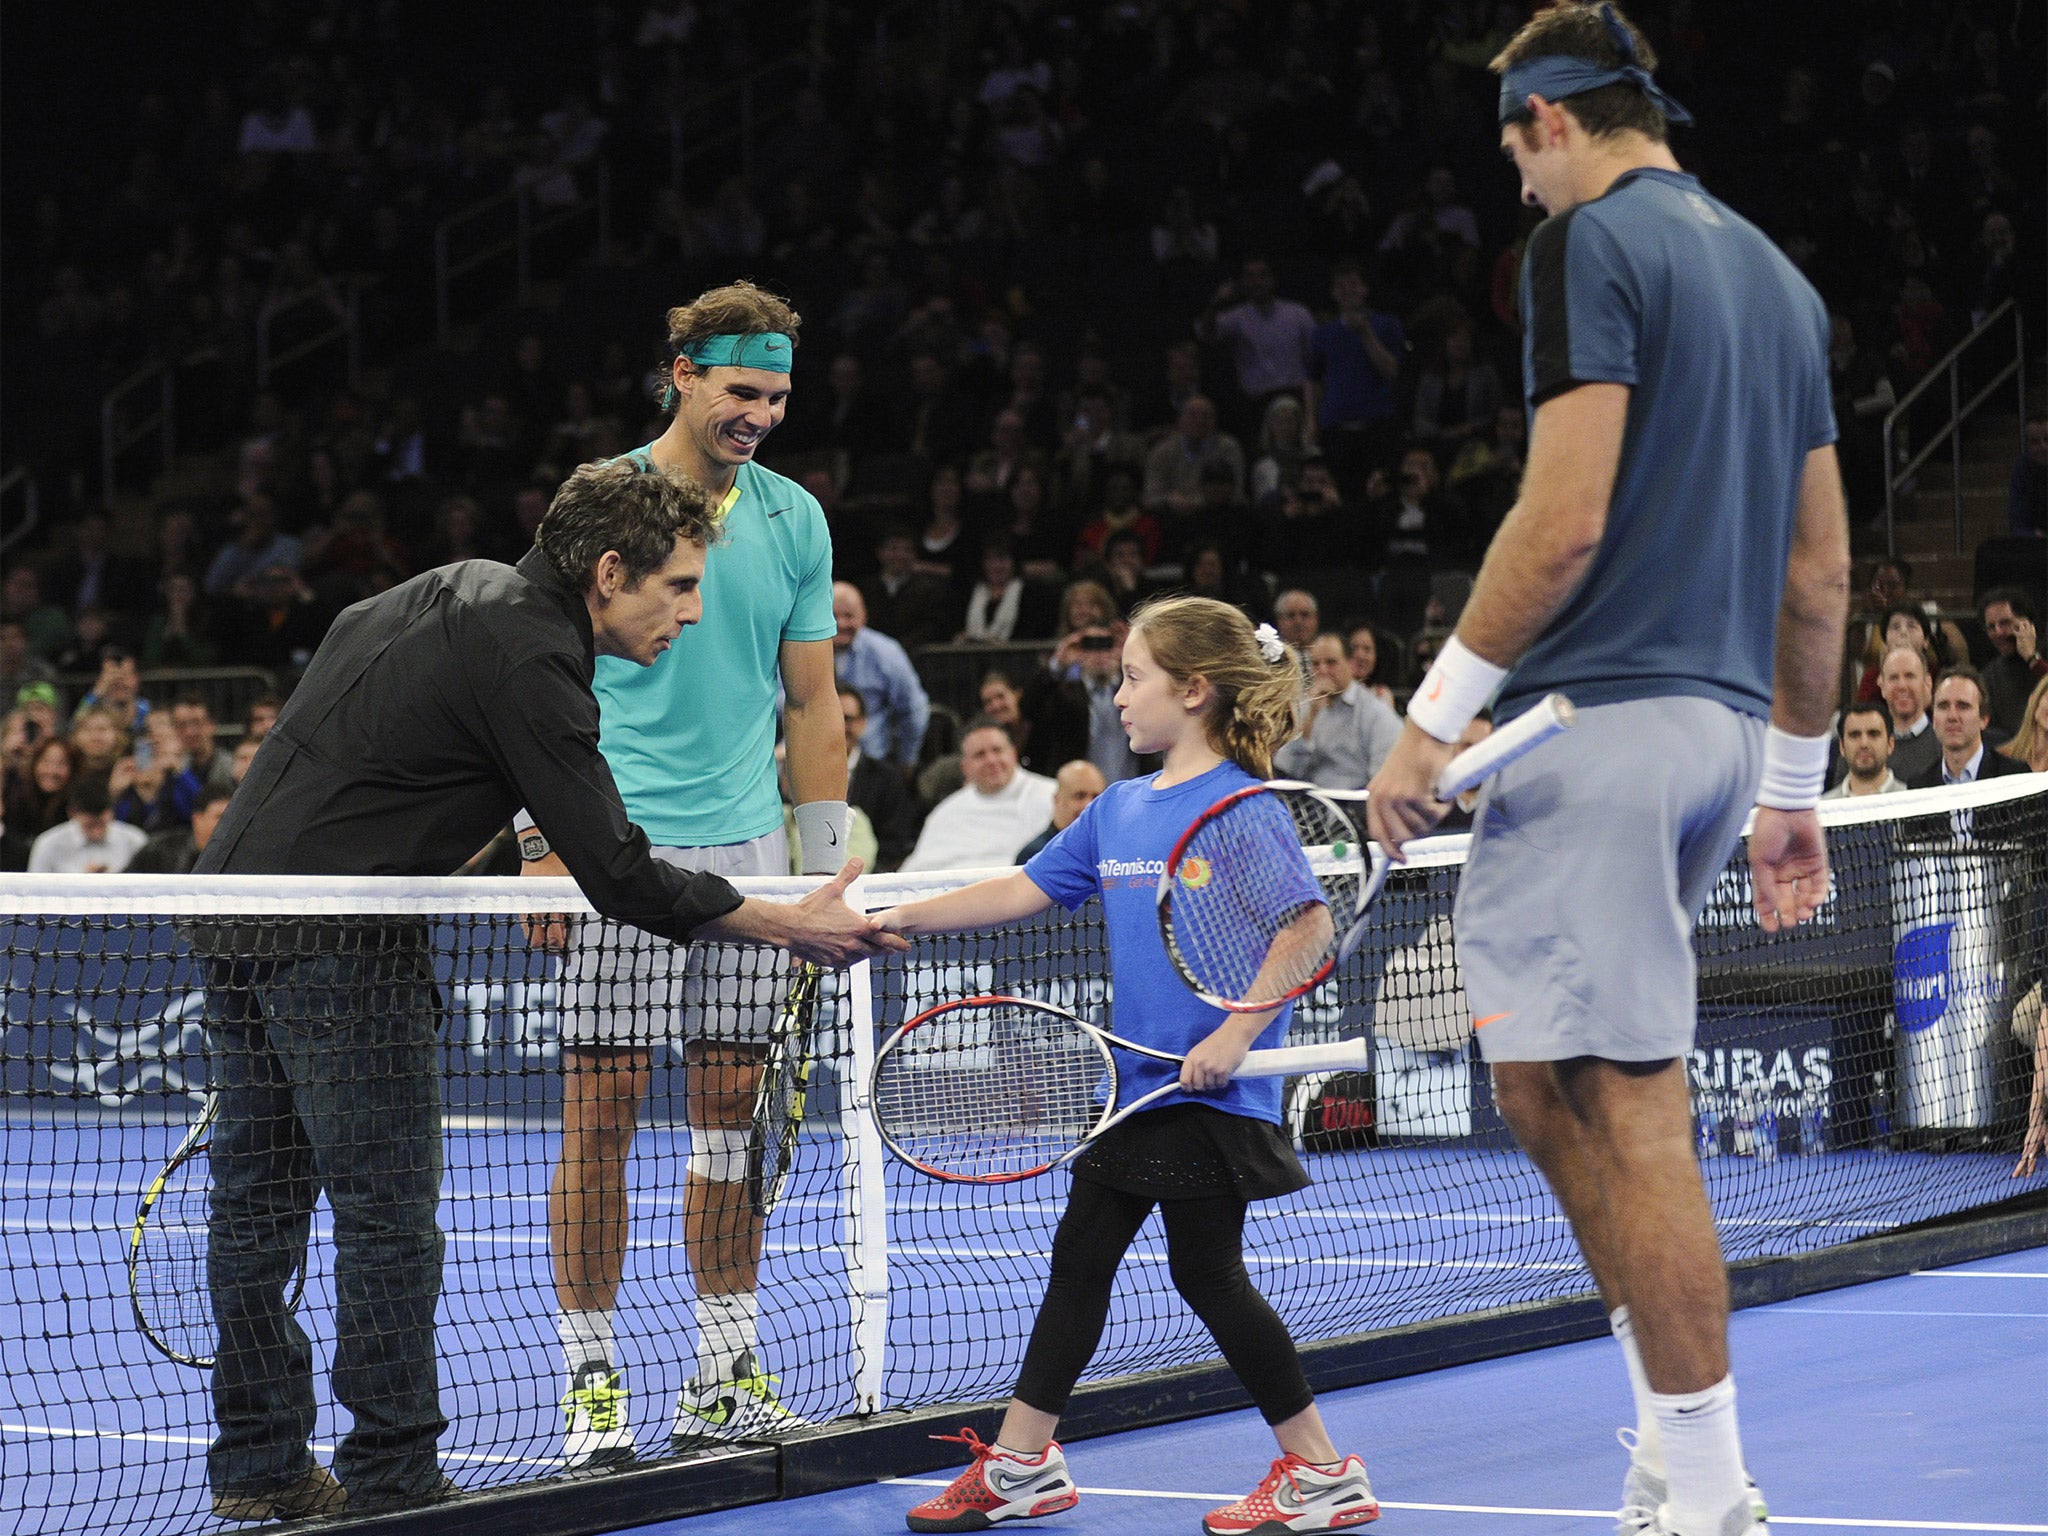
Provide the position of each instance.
(1643, 1493)
(745, 1408)
(597, 1434)
(1299, 1496)
(997, 1485)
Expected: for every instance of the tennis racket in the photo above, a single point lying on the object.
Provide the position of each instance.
(167, 1254)
(990, 1090)
(1271, 887)
(779, 1096)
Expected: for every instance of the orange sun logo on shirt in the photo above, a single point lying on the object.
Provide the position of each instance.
(1194, 873)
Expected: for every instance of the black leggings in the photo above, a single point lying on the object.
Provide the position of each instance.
(1205, 1253)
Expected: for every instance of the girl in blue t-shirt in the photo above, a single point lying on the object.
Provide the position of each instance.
(1216, 698)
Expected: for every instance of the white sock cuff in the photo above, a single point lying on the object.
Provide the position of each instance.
(1721, 1394)
(728, 1326)
(1618, 1322)
(585, 1336)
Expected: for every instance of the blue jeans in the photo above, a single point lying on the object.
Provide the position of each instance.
(327, 1067)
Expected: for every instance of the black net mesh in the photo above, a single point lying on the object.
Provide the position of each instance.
(392, 1117)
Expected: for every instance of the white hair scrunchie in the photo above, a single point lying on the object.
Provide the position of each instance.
(1271, 646)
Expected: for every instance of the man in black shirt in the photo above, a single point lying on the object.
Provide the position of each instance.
(431, 713)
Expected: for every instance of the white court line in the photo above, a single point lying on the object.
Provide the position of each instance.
(1791, 1311)
(1511, 1509)
(58, 1432)
(1979, 1274)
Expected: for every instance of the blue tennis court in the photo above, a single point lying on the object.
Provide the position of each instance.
(1912, 1404)
(1421, 1231)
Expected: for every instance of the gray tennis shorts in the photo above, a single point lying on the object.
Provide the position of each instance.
(623, 986)
(1591, 860)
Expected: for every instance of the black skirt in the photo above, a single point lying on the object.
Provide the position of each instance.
(1185, 1151)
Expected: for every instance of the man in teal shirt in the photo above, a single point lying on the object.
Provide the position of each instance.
(691, 741)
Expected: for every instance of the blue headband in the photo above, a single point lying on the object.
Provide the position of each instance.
(767, 350)
(1555, 76)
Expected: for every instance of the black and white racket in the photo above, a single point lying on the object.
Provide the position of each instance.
(779, 1097)
(990, 1090)
(167, 1254)
(1271, 887)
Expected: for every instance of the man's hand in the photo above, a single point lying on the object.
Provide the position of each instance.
(1788, 867)
(1404, 803)
(824, 930)
(2023, 639)
(2036, 1144)
(547, 931)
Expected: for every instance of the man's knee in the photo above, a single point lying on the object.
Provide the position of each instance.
(1526, 1094)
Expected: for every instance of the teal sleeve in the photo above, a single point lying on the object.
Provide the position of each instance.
(810, 616)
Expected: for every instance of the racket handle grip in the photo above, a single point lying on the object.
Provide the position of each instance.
(1338, 1056)
(1476, 764)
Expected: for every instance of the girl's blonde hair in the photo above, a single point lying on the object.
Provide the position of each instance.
(2024, 739)
(1251, 699)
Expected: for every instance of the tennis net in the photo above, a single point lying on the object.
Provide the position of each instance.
(1853, 1077)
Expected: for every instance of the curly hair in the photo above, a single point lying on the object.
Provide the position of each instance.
(616, 505)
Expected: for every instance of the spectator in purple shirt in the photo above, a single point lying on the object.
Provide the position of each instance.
(1268, 337)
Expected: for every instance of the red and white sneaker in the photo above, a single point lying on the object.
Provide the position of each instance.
(998, 1485)
(1298, 1498)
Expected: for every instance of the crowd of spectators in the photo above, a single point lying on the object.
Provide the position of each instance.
(1099, 299)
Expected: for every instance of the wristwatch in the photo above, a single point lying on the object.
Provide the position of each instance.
(532, 845)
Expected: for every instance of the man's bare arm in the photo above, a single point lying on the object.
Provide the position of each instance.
(1537, 561)
(1551, 534)
(813, 722)
(1813, 616)
(1788, 855)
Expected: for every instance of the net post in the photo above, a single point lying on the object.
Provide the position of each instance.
(867, 1203)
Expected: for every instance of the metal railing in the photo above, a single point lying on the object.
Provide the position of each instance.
(527, 223)
(1951, 431)
(228, 691)
(18, 482)
(339, 298)
(118, 433)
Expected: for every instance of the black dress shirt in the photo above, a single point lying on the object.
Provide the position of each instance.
(431, 713)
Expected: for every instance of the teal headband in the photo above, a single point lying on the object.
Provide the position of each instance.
(767, 350)
(1556, 76)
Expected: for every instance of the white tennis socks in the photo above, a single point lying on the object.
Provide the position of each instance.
(1649, 1447)
(586, 1337)
(727, 1327)
(1702, 1457)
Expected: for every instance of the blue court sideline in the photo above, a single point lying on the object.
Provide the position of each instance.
(1913, 1404)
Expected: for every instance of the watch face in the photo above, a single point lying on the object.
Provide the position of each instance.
(532, 846)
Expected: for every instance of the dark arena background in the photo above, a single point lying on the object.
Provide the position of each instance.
(1099, 301)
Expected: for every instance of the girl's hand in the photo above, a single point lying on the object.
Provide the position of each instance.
(895, 920)
(1211, 1064)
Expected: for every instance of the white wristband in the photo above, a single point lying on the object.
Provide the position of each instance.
(1795, 770)
(1456, 688)
(821, 830)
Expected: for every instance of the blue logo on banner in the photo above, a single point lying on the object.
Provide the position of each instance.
(1920, 976)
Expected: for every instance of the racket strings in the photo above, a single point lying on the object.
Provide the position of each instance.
(1244, 879)
(170, 1267)
(990, 1091)
(779, 1100)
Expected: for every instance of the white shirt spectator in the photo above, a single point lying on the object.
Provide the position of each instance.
(972, 830)
(66, 849)
(993, 619)
(1891, 785)
(1269, 346)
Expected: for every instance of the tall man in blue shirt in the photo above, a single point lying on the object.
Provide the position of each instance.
(691, 741)
(1678, 564)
